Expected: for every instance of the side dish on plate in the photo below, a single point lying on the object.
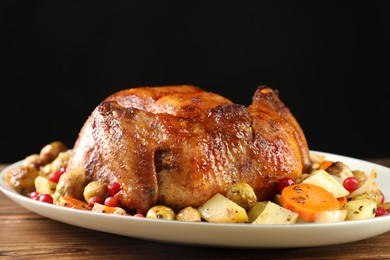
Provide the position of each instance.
(331, 192)
(182, 153)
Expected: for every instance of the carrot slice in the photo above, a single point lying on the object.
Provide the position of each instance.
(308, 200)
(325, 165)
(342, 201)
(109, 210)
(73, 203)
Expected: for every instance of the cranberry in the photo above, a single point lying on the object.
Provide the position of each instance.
(46, 198)
(381, 211)
(284, 182)
(113, 188)
(351, 184)
(111, 202)
(35, 195)
(55, 176)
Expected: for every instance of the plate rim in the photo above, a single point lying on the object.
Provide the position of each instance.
(47, 210)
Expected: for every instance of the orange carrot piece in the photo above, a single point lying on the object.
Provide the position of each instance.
(73, 203)
(342, 201)
(308, 200)
(325, 165)
(97, 207)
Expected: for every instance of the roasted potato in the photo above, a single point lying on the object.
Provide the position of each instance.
(22, 179)
(34, 160)
(44, 185)
(161, 212)
(95, 188)
(256, 210)
(326, 181)
(189, 214)
(58, 164)
(50, 151)
(275, 214)
(221, 209)
(360, 209)
(71, 183)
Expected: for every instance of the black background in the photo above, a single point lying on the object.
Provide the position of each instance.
(329, 61)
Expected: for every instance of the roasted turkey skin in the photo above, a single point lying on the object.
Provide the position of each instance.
(180, 145)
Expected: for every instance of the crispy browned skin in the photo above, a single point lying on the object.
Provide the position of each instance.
(180, 145)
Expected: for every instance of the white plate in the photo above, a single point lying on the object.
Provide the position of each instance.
(221, 235)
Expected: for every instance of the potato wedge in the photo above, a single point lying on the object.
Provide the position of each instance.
(256, 210)
(326, 181)
(221, 209)
(275, 214)
(44, 185)
(360, 209)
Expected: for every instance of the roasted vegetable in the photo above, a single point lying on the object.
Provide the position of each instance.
(275, 214)
(161, 212)
(50, 151)
(340, 169)
(308, 200)
(34, 160)
(256, 210)
(95, 188)
(73, 203)
(58, 164)
(360, 209)
(331, 216)
(72, 184)
(189, 214)
(242, 194)
(22, 179)
(44, 185)
(326, 181)
(221, 209)
(97, 207)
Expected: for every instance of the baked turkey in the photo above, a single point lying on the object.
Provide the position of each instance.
(180, 145)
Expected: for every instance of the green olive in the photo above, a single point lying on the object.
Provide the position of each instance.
(161, 212)
(242, 194)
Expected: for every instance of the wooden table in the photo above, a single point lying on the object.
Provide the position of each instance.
(26, 235)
